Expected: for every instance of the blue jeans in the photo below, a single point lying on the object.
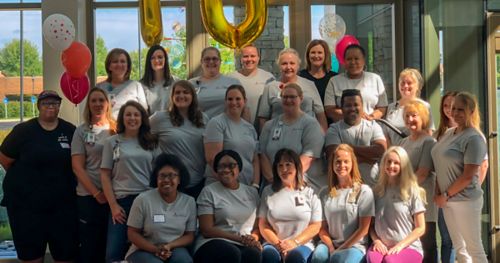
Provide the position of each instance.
(117, 243)
(179, 255)
(447, 251)
(350, 255)
(300, 254)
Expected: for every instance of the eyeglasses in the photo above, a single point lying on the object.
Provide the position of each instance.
(208, 59)
(289, 97)
(50, 104)
(222, 166)
(168, 176)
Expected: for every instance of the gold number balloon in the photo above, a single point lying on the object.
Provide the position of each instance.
(246, 32)
(151, 24)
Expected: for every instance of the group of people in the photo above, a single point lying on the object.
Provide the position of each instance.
(307, 167)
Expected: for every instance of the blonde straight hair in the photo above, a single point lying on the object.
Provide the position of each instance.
(407, 181)
(333, 181)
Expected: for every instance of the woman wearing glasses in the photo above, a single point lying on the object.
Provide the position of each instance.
(162, 221)
(227, 213)
(39, 187)
(211, 85)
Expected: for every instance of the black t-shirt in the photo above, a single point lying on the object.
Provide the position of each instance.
(320, 83)
(41, 176)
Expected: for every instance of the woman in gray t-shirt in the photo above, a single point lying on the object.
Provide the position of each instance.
(180, 132)
(399, 211)
(348, 208)
(86, 153)
(289, 213)
(460, 162)
(227, 214)
(162, 220)
(127, 162)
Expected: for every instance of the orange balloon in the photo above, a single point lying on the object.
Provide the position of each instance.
(76, 59)
(216, 24)
(151, 24)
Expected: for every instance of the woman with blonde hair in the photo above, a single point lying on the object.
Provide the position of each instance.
(399, 211)
(348, 207)
(270, 105)
(86, 153)
(460, 162)
(418, 145)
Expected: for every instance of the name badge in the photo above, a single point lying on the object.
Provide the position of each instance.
(90, 137)
(64, 145)
(158, 218)
(116, 152)
(299, 200)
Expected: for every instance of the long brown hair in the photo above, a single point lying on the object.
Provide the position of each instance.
(327, 62)
(194, 112)
(444, 123)
(147, 140)
(87, 115)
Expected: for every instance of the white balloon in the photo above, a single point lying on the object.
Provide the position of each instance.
(332, 28)
(58, 31)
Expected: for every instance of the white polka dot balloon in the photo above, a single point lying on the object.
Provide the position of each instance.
(58, 31)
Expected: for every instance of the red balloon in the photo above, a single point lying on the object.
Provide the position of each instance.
(76, 59)
(342, 45)
(75, 89)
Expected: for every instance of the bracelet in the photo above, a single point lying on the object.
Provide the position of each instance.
(297, 243)
(256, 185)
(97, 193)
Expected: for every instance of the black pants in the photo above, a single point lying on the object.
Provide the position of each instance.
(429, 244)
(221, 251)
(92, 228)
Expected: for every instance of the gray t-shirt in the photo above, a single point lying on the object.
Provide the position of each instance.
(394, 218)
(371, 87)
(234, 211)
(270, 104)
(185, 141)
(211, 93)
(419, 152)
(395, 117)
(289, 212)
(131, 169)
(342, 213)
(119, 95)
(451, 153)
(88, 141)
(162, 222)
(254, 87)
(363, 134)
(158, 96)
(240, 137)
(304, 137)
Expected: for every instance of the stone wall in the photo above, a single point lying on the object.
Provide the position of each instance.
(270, 42)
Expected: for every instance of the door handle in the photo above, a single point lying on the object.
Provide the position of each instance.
(493, 134)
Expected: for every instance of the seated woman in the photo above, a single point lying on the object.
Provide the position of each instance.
(399, 212)
(227, 214)
(348, 207)
(290, 212)
(162, 221)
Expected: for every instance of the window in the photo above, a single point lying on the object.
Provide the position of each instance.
(372, 25)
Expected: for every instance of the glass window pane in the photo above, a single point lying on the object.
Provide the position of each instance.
(372, 26)
(174, 33)
(117, 28)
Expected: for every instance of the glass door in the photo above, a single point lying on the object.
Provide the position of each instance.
(492, 127)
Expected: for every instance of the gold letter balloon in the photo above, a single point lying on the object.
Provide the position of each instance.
(245, 33)
(151, 24)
